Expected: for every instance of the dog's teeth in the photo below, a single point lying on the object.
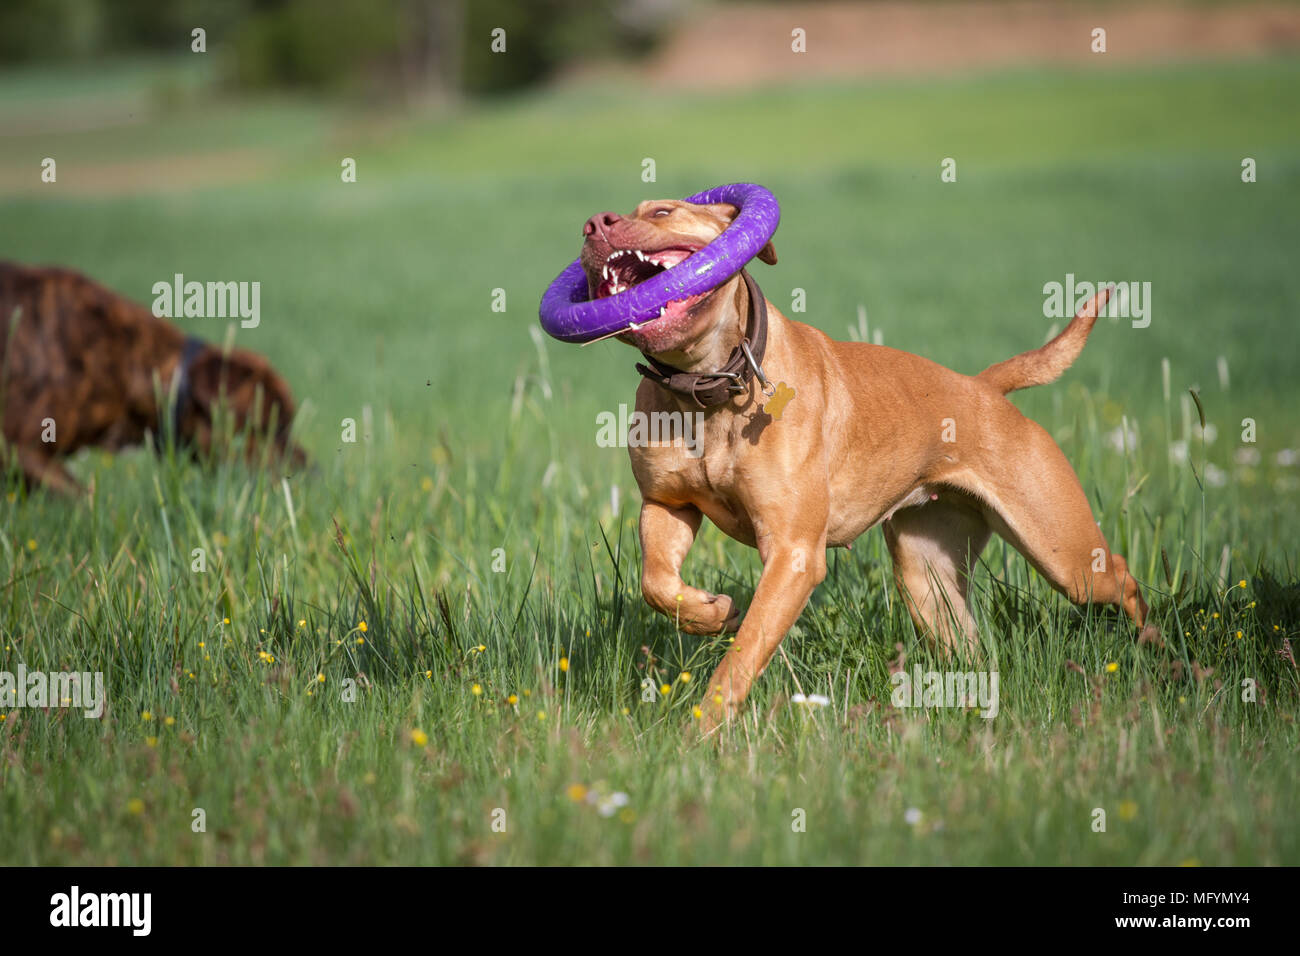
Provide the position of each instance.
(640, 255)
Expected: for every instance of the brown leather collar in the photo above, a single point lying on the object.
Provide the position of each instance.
(715, 388)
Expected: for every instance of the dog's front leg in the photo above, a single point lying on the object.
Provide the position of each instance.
(666, 536)
(792, 569)
(41, 468)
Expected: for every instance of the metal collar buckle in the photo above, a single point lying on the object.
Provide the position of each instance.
(767, 387)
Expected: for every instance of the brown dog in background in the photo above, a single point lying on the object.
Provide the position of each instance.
(843, 437)
(84, 358)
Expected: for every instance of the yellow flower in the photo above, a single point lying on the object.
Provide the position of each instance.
(577, 792)
(697, 713)
(541, 715)
(225, 620)
(146, 715)
(1241, 583)
(684, 677)
(428, 675)
(419, 737)
(361, 640)
(481, 648)
(528, 693)
(151, 741)
(135, 806)
(1112, 667)
(626, 711)
(426, 483)
(1128, 810)
(302, 623)
(1215, 615)
(361, 626)
(564, 664)
(666, 689)
(203, 644)
(169, 721)
(320, 678)
(512, 700)
(476, 690)
(31, 544)
(1239, 635)
(717, 698)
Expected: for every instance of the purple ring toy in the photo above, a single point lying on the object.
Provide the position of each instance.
(568, 315)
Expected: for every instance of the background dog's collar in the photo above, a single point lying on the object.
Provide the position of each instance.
(714, 388)
(184, 390)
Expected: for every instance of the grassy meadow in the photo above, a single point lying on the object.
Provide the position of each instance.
(481, 690)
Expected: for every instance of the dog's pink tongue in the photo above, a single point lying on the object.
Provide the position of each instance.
(671, 257)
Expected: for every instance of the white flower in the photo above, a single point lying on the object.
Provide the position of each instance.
(1215, 476)
(1178, 452)
(912, 816)
(1117, 437)
(1288, 458)
(1246, 456)
(816, 700)
(608, 806)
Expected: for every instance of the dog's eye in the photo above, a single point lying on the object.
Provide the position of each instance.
(662, 212)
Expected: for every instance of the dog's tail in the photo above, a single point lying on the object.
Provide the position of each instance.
(1047, 364)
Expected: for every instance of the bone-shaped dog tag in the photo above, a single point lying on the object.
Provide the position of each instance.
(781, 397)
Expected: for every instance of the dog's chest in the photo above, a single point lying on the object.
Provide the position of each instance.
(704, 471)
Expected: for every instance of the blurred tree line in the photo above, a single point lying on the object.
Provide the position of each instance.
(420, 47)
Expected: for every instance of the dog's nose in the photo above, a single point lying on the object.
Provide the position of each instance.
(600, 222)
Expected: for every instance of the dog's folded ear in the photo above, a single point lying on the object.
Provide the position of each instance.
(727, 212)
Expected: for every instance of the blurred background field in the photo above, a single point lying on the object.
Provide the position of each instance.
(475, 172)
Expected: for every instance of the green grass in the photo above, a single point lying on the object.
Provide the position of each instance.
(378, 296)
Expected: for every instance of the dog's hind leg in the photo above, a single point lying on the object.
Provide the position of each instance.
(666, 537)
(1040, 508)
(934, 547)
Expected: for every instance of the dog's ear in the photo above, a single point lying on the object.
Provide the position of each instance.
(727, 213)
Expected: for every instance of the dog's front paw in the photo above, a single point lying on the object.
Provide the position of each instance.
(714, 614)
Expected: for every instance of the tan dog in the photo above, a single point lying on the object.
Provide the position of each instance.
(845, 436)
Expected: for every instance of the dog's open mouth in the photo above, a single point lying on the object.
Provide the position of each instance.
(627, 267)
